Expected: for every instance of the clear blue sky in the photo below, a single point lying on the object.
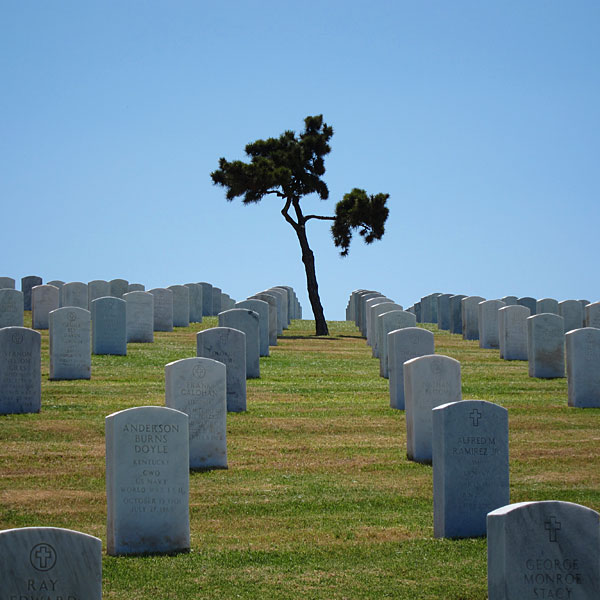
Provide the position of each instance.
(480, 119)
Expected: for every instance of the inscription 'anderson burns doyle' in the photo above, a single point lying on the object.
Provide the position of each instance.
(543, 550)
(147, 480)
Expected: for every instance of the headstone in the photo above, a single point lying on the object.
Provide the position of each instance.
(405, 344)
(195, 302)
(139, 316)
(163, 309)
(456, 314)
(429, 308)
(510, 300)
(57, 283)
(443, 306)
(197, 387)
(11, 308)
(362, 307)
(545, 346)
(206, 299)
(545, 549)
(49, 563)
(429, 381)
(261, 308)
(281, 319)
(573, 314)
(530, 303)
(27, 284)
(216, 300)
(7, 283)
(136, 287)
(284, 304)
(75, 293)
(247, 321)
(470, 466)
(418, 312)
(583, 367)
(70, 352)
(488, 323)
(546, 305)
(369, 304)
(229, 347)
(181, 305)
(118, 287)
(98, 288)
(273, 326)
(109, 326)
(44, 298)
(512, 328)
(20, 370)
(592, 315)
(147, 481)
(376, 311)
(470, 317)
(387, 322)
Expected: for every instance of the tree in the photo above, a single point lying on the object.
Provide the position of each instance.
(290, 167)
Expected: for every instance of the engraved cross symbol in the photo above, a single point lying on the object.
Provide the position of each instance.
(475, 415)
(43, 557)
(552, 526)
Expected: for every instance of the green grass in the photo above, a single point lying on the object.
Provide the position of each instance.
(319, 500)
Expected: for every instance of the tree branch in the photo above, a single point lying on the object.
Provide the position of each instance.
(286, 216)
(320, 217)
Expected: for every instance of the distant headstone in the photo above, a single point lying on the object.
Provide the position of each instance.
(206, 298)
(11, 308)
(362, 309)
(281, 320)
(456, 314)
(163, 309)
(181, 305)
(27, 284)
(470, 466)
(429, 381)
(512, 328)
(147, 481)
(470, 317)
(139, 316)
(70, 352)
(7, 283)
(376, 311)
(429, 308)
(197, 387)
(245, 320)
(44, 298)
(545, 549)
(387, 322)
(284, 304)
(405, 344)
(573, 314)
(443, 303)
(510, 300)
(216, 300)
(229, 347)
(545, 346)
(20, 370)
(273, 326)
(49, 563)
(530, 303)
(261, 308)
(195, 302)
(583, 367)
(109, 326)
(592, 315)
(118, 287)
(57, 283)
(75, 293)
(369, 304)
(136, 287)
(98, 288)
(488, 323)
(546, 305)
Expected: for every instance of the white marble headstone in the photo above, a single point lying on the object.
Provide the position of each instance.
(583, 367)
(70, 348)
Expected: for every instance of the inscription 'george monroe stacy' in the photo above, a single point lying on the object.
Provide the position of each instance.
(49, 563)
(470, 466)
(543, 550)
(197, 387)
(20, 370)
(147, 481)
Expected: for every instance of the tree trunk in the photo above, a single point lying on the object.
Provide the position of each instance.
(308, 258)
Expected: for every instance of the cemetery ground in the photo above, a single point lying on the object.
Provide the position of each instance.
(319, 500)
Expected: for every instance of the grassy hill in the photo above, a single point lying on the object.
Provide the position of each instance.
(319, 500)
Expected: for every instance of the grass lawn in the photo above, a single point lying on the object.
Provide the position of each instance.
(319, 500)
